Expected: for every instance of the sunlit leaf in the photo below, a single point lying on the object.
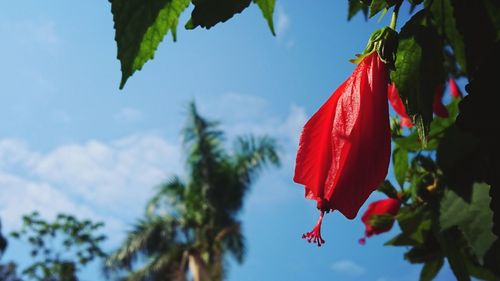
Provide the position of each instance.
(419, 71)
(140, 26)
(474, 218)
(267, 8)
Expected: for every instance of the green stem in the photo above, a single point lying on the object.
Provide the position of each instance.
(394, 17)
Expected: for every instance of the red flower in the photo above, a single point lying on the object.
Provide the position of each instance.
(387, 206)
(398, 106)
(345, 147)
(438, 106)
(454, 90)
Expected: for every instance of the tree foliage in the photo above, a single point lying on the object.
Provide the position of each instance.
(59, 249)
(192, 224)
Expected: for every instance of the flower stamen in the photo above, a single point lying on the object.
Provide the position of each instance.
(315, 234)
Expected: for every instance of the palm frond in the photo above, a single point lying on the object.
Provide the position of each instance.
(254, 153)
(164, 266)
(150, 236)
(169, 197)
(204, 143)
(232, 240)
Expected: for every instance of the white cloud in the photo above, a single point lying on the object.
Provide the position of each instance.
(36, 34)
(107, 181)
(348, 267)
(45, 32)
(111, 180)
(61, 117)
(128, 114)
(282, 21)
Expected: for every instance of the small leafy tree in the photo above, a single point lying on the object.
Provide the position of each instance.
(8, 271)
(59, 248)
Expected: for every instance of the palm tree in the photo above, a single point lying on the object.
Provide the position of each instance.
(191, 225)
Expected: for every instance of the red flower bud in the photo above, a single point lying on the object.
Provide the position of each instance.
(438, 106)
(454, 90)
(398, 106)
(387, 206)
(345, 147)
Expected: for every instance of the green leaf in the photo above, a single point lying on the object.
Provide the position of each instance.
(388, 189)
(267, 8)
(423, 253)
(381, 221)
(473, 218)
(207, 13)
(493, 10)
(400, 162)
(378, 5)
(355, 6)
(419, 71)
(431, 269)
(481, 272)
(450, 245)
(401, 239)
(415, 223)
(140, 26)
(442, 13)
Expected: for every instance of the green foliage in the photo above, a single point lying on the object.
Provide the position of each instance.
(446, 212)
(388, 189)
(443, 19)
(473, 218)
(8, 272)
(419, 71)
(195, 219)
(378, 5)
(381, 221)
(431, 269)
(207, 13)
(78, 243)
(140, 27)
(267, 8)
(356, 6)
(400, 162)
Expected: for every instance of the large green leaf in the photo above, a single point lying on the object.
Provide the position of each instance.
(140, 27)
(400, 162)
(378, 5)
(419, 71)
(267, 8)
(442, 13)
(207, 13)
(355, 6)
(414, 223)
(388, 189)
(431, 269)
(449, 240)
(473, 218)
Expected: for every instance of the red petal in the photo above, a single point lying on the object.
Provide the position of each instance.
(438, 106)
(344, 148)
(454, 90)
(397, 104)
(387, 206)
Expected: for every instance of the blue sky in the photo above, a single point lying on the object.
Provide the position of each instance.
(70, 141)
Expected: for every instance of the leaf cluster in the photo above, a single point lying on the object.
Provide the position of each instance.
(445, 213)
(141, 25)
(59, 248)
